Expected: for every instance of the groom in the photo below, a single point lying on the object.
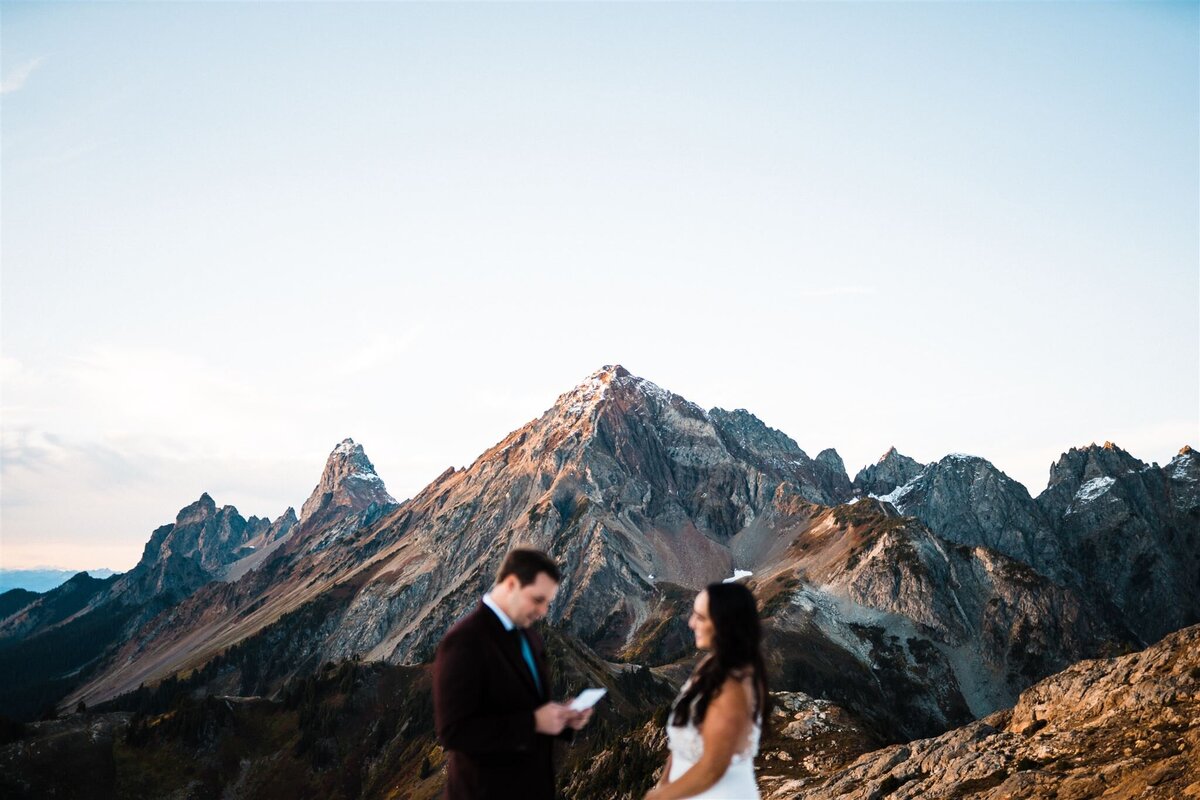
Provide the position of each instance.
(491, 688)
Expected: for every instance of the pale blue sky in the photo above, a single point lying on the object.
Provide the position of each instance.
(234, 234)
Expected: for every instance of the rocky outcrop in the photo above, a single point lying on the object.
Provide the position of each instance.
(966, 500)
(1125, 536)
(1127, 727)
(892, 470)
(820, 480)
(808, 737)
(348, 485)
(1183, 476)
(260, 548)
(910, 631)
(1132, 532)
(181, 557)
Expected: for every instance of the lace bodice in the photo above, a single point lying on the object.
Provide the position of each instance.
(686, 743)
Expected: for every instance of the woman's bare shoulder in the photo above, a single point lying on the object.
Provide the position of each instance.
(738, 689)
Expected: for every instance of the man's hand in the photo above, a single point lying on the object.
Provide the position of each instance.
(551, 718)
(579, 719)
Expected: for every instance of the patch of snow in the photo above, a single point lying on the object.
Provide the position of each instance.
(896, 495)
(738, 574)
(651, 389)
(1093, 489)
(1182, 466)
(587, 394)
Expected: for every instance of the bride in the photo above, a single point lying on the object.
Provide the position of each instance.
(715, 724)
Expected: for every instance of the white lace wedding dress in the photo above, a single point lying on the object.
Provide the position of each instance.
(686, 746)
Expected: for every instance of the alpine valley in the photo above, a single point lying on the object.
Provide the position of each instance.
(932, 630)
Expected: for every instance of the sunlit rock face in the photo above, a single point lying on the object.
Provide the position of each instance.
(1123, 727)
(348, 484)
(628, 485)
(915, 633)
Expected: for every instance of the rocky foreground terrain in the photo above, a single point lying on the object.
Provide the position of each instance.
(1118, 728)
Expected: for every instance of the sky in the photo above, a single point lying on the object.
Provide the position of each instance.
(234, 234)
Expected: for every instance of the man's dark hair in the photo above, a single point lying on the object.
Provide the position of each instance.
(526, 563)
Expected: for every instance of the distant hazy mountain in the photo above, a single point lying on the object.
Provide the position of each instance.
(43, 580)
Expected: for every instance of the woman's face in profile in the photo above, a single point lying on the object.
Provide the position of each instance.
(700, 623)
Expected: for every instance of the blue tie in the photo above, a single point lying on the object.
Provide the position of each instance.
(527, 652)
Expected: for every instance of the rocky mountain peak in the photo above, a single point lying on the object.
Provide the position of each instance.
(967, 500)
(590, 392)
(346, 458)
(184, 555)
(1131, 529)
(1093, 465)
(754, 436)
(348, 482)
(890, 472)
(282, 525)
(201, 509)
(1183, 466)
(80, 578)
(972, 474)
(830, 458)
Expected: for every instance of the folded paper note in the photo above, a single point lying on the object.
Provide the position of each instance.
(587, 698)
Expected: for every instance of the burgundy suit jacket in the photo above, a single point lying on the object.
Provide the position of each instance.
(483, 704)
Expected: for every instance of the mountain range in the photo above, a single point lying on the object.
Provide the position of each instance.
(911, 600)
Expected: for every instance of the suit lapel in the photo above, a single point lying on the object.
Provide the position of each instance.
(511, 650)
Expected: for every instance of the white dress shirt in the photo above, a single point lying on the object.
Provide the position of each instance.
(504, 620)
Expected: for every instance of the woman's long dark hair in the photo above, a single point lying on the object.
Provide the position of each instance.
(737, 640)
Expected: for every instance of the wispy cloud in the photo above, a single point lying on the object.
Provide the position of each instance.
(16, 79)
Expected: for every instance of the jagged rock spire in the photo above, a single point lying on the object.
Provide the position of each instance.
(891, 471)
(349, 481)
